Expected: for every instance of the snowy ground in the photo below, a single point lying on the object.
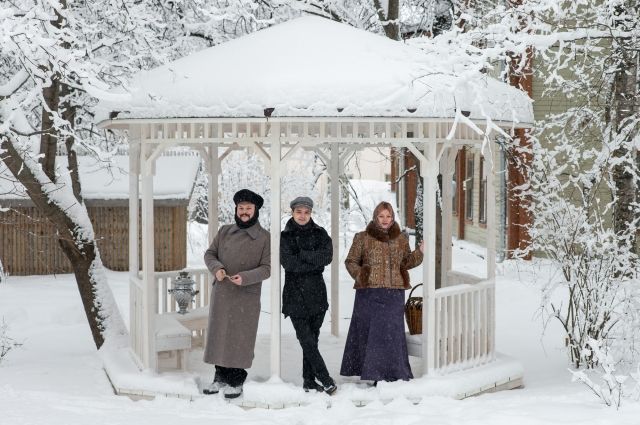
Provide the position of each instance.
(56, 377)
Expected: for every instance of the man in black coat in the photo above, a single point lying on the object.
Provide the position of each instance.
(305, 250)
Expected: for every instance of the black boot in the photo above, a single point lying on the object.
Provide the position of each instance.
(312, 385)
(329, 386)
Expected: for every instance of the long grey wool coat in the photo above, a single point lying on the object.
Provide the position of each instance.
(234, 310)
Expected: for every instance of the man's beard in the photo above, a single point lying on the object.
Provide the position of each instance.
(246, 224)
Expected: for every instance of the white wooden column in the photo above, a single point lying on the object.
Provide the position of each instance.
(134, 199)
(147, 166)
(429, 168)
(491, 211)
(134, 265)
(213, 171)
(334, 175)
(490, 300)
(447, 169)
(275, 152)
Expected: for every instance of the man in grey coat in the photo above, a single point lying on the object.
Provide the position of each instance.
(240, 259)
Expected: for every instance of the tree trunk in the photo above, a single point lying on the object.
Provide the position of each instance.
(69, 114)
(49, 137)
(80, 250)
(51, 96)
(391, 22)
(82, 263)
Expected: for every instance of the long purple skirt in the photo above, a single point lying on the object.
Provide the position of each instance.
(376, 348)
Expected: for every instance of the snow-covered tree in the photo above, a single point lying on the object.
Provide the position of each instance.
(57, 59)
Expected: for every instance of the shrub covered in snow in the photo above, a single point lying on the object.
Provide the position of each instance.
(7, 344)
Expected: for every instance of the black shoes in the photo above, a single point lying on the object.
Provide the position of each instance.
(213, 388)
(229, 392)
(232, 392)
(312, 385)
(330, 388)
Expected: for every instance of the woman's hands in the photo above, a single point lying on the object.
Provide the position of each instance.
(421, 246)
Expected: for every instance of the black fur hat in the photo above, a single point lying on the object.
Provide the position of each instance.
(245, 195)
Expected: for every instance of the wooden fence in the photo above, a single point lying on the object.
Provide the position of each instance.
(28, 245)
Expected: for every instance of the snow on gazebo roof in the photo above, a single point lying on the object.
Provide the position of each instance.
(174, 180)
(314, 67)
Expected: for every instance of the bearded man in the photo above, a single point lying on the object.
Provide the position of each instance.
(240, 259)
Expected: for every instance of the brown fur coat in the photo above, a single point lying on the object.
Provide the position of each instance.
(379, 259)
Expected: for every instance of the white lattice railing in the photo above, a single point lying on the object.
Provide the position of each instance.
(164, 280)
(465, 323)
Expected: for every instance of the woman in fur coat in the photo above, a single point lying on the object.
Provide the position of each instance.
(379, 260)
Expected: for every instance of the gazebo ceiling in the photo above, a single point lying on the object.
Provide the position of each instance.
(313, 67)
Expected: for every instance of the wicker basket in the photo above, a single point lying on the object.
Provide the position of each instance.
(413, 313)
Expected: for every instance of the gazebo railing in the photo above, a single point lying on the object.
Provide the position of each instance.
(465, 323)
(165, 303)
(465, 317)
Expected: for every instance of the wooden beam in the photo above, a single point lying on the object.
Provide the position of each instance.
(334, 173)
(275, 251)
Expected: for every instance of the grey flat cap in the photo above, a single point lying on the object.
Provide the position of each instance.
(302, 201)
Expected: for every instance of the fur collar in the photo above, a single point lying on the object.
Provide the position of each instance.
(377, 233)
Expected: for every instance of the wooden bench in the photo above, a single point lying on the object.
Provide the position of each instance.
(197, 321)
(172, 336)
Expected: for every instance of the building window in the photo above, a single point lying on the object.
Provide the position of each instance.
(468, 189)
(482, 216)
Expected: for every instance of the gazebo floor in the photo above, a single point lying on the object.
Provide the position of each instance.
(263, 391)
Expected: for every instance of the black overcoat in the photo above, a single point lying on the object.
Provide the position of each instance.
(304, 253)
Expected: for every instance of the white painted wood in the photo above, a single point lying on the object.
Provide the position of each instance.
(490, 213)
(135, 322)
(257, 147)
(429, 168)
(492, 324)
(463, 315)
(491, 248)
(164, 281)
(275, 154)
(291, 151)
(465, 326)
(334, 172)
(213, 173)
(458, 328)
(467, 318)
(447, 164)
(149, 301)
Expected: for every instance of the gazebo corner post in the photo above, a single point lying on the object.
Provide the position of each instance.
(490, 214)
(334, 172)
(276, 307)
(134, 264)
(429, 170)
(490, 304)
(149, 302)
(447, 169)
(214, 169)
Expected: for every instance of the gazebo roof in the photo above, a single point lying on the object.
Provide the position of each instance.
(314, 67)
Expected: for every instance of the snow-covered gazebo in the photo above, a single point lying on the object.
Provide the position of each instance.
(314, 84)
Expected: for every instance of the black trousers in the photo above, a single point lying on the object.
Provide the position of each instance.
(308, 332)
(231, 376)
